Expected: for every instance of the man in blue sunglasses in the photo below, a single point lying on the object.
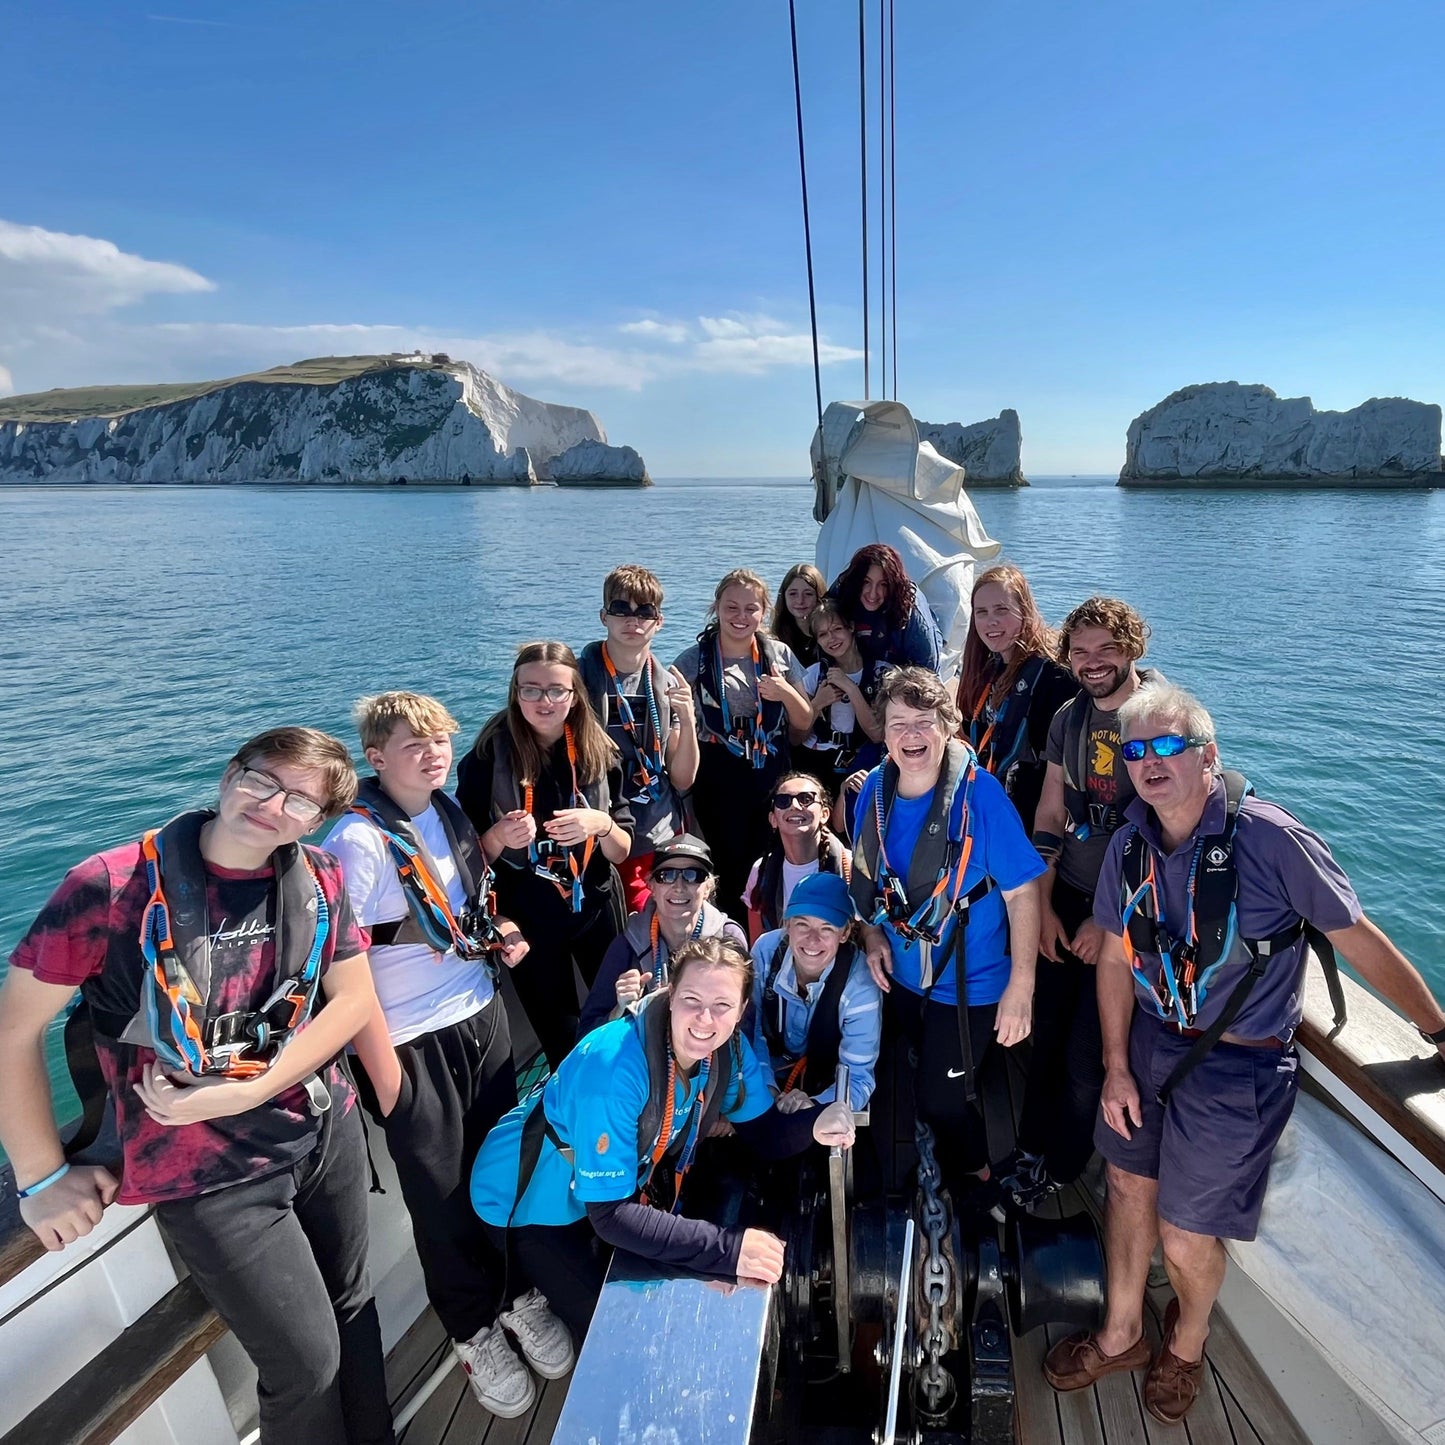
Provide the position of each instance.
(1206, 898)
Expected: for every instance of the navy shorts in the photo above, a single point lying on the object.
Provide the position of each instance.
(1210, 1146)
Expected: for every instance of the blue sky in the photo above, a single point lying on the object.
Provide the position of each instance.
(598, 201)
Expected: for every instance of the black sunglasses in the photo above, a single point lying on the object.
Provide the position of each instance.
(643, 612)
(783, 801)
(666, 875)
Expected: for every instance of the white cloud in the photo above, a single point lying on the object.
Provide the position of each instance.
(59, 295)
(48, 273)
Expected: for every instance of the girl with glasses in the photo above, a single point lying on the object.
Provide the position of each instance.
(678, 909)
(750, 711)
(542, 785)
(802, 845)
(803, 589)
(1010, 685)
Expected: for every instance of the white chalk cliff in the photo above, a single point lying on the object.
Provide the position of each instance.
(1223, 432)
(332, 420)
(988, 451)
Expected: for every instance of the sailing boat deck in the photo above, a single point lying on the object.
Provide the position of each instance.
(1238, 1406)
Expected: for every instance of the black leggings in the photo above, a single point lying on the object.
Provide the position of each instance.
(730, 801)
(960, 1140)
(1066, 1067)
(567, 1262)
(283, 1260)
(559, 939)
(456, 1083)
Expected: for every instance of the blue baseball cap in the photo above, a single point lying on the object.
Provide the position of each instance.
(821, 895)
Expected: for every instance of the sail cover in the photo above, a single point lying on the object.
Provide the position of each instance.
(875, 481)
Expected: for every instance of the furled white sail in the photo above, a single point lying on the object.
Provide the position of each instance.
(876, 482)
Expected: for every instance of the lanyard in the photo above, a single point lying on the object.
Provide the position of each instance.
(980, 744)
(1174, 990)
(545, 865)
(748, 738)
(649, 760)
(660, 952)
(928, 921)
(664, 1137)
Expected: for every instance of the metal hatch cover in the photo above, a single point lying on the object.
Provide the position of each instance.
(670, 1358)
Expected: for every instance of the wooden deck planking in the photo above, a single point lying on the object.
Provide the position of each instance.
(1036, 1410)
(1079, 1420)
(430, 1424)
(414, 1357)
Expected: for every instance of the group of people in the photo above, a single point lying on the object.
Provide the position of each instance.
(761, 861)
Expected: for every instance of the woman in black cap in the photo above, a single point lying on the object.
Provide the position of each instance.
(682, 881)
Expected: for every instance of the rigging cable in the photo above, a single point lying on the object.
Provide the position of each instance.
(807, 225)
(893, 184)
(863, 168)
(882, 199)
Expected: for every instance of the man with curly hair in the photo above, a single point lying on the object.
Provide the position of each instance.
(1085, 791)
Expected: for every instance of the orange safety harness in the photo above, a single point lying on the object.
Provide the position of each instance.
(664, 1135)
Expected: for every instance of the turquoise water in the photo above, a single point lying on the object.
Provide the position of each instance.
(146, 631)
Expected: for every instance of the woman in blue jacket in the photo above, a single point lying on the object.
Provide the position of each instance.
(602, 1150)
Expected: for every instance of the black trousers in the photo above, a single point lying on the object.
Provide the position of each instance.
(559, 939)
(567, 1262)
(730, 801)
(283, 1260)
(1066, 1068)
(931, 1028)
(455, 1084)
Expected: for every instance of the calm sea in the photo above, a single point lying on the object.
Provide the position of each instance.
(145, 631)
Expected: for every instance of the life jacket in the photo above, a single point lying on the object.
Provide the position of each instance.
(429, 919)
(847, 746)
(935, 875)
(657, 1130)
(1085, 819)
(644, 748)
(999, 742)
(759, 736)
(817, 1066)
(566, 867)
(1190, 961)
(153, 986)
(833, 857)
(648, 952)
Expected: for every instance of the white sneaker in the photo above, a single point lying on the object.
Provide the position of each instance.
(545, 1340)
(499, 1380)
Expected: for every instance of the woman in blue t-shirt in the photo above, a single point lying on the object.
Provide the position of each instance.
(943, 875)
(629, 1107)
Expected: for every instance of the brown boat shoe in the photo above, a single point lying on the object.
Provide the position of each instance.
(1172, 1385)
(1077, 1362)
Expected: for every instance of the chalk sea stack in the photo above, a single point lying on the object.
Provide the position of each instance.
(1225, 434)
(988, 451)
(340, 420)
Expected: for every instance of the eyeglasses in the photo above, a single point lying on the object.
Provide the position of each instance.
(783, 801)
(1170, 745)
(262, 786)
(643, 612)
(903, 729)
(666, 876)
(530, 692)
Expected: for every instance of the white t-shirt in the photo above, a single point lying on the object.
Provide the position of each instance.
(420, 990)
(841, 715)
(793, 874)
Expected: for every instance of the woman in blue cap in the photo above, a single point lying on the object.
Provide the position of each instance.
(601, 1152)
(815, 1003)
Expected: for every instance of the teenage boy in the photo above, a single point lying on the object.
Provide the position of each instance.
(203, 953)
(405, 846)
(647, 711)
(1086, 789)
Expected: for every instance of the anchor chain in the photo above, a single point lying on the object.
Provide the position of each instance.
(935, 1280)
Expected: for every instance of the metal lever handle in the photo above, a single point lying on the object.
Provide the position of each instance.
(838, 1208)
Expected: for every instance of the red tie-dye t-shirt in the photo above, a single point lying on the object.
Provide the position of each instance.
(105, 896)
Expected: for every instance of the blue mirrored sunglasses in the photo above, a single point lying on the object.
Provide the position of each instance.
(1170, 745)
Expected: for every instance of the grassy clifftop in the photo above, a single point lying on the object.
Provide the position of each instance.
(75, 402)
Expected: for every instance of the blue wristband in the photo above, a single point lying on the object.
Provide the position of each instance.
(32, 1189)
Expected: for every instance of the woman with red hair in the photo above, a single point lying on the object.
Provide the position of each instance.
(1010, 686)
(891, 618)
